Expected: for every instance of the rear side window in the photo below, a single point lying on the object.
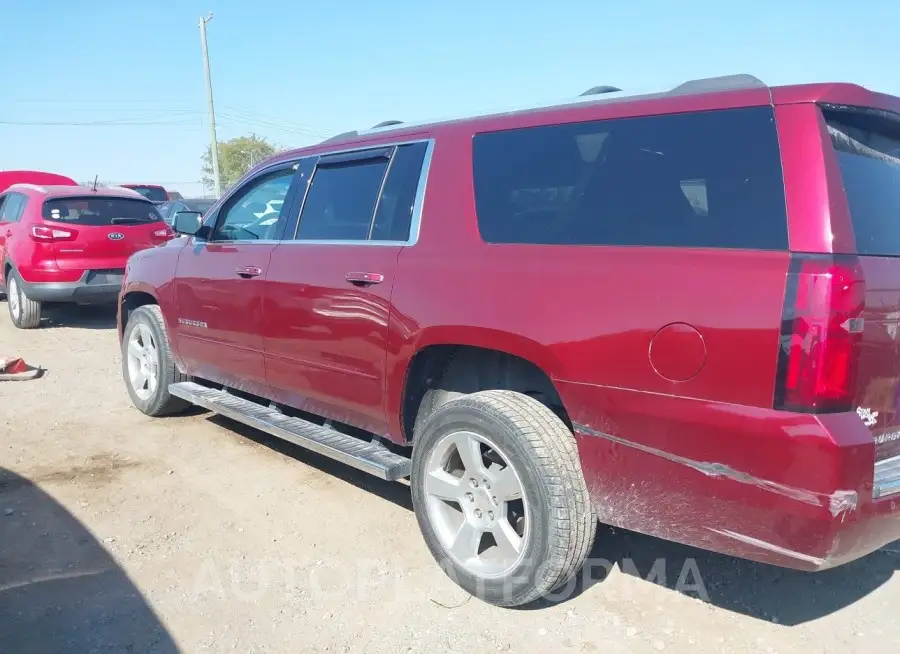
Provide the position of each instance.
(96, 211)
(393, 216)
(708, 179)
(867, 144)
(341, 201)
(12, 207)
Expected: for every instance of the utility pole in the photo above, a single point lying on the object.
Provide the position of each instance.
(213, 142)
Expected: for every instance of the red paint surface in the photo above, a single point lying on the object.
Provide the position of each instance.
(304, 335)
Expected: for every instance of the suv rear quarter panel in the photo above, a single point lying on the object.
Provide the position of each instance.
(703, 447)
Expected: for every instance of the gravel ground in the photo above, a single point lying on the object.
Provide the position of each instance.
(124, 533)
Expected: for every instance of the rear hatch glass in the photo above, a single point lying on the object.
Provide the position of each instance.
(104, 231)
(867, 146)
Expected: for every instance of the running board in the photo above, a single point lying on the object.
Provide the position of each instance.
(369, 457)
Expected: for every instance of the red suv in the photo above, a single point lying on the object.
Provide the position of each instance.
(69, 244)
(676, 313)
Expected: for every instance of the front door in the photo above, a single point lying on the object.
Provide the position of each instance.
(219, 285)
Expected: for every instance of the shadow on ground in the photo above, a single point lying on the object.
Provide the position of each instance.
(398, 493)
(80, 317)
(60, 590)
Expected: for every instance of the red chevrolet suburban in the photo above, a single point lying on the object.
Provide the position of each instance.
(675, 313)
(69, 244)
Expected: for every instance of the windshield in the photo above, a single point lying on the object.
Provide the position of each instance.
(99, 211)
(152, 193)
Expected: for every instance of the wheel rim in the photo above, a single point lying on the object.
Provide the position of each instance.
(15, 307)
(143, 362)
(475, 504)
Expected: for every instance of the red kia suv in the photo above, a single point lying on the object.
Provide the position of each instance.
(70, 244)
(675, 313)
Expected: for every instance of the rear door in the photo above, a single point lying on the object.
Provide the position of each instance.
(101, 232)
(328, 295)
(866, 144)
(219, 285)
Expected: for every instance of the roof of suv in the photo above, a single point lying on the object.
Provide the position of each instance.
(77, 191)
(693, 95)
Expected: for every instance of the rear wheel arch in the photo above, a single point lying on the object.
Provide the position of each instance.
(438, 373)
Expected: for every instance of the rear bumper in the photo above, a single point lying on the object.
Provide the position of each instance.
(787, 489)
(93, 287)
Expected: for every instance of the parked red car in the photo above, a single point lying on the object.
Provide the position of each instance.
(676, 313)
(70, 244)
(153, 192)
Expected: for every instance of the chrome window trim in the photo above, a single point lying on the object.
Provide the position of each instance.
(415, 222)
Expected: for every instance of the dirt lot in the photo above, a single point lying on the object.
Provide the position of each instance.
(119, 532)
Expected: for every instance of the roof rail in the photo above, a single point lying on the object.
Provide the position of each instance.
(724, 83)
(342, 136)
(387, 123)
(597, 90)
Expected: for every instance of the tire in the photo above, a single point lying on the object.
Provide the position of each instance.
(560, 520)
(147, 327)
(24, 312)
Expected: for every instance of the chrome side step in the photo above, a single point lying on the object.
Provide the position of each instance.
(369, 457)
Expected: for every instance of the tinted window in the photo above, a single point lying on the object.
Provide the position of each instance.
(394, 213)
(99, 211)
(710, 179)
(197, 205)
(868, 152)
(12, 207)
(253, 212)
(341, 200)
(153, 193)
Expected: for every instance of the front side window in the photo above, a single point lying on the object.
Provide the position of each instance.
(253, 213)
(99, 211)
(704, 179)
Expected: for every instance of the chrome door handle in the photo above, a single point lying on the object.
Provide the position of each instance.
(364, 278)
(249, 271)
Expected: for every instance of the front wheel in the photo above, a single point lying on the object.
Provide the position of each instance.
(147, 364)
(500, 496)
(24, 312)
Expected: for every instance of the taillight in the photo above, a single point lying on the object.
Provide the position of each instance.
(821, 332)
(47, 233)
(163, 233)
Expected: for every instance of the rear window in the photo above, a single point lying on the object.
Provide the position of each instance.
(152, 193)
(706, 179)
(867, 144)
(99, 211)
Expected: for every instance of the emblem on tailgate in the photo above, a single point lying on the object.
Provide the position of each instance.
(115, 236)
(869, 417)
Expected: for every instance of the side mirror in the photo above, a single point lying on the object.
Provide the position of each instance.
(187, 222)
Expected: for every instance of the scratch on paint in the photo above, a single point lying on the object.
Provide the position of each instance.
(816, 561)
(839, 502)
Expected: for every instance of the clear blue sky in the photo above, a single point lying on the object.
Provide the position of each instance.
(295, 71)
